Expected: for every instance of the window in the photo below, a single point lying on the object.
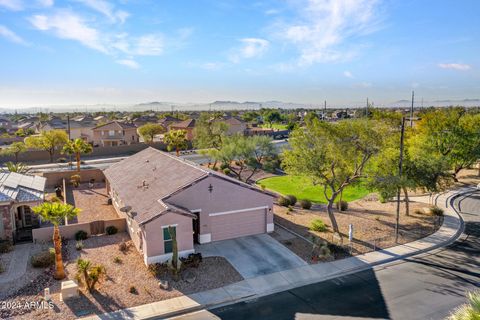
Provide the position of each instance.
(167, 240)
(111, 133)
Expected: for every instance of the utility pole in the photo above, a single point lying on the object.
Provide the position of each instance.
(411, 110)
(325, 111)
(366, 109)
(400, 171)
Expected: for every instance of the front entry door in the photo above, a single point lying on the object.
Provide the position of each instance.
(196, 228)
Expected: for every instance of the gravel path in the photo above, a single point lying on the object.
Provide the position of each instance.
(16, 265)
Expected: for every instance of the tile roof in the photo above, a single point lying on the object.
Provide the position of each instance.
(189, 123)
(21, 187)
(144, 179)
(122, 125)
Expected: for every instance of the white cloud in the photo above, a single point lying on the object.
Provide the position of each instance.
(67, 25)
(132, 64)
(250, 48)
(271, 12)
(148, 45)
(455, 66)
(107, 9)
(348, 74)
(14, 5)
(11, 36)
(324, 25)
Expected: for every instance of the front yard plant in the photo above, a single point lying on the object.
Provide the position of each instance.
(81, 235)
(284, 202)
(5, 246)
(43, 259)
(291, 199)
(470, 310)
(88, 274)
(305, 204)
(436, 211)
(111, 230)
(318, 225)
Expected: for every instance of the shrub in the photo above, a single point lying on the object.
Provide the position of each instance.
(111, 230)
(318, 225)
(157, 269)
(61, 160)
(43, 259)
(79, 245)
(81, 235)
(306, 204)
(290, 209)
(117, 260)
(193, 260)
(263, 187)
(55, 199)
(89, 274)
(215, 168)
(342, 205)
(75, 180)
(223, 166)
(5, 246)
(436, 211)
(133, 290)
(123, 246)
(226, 171)
(283, 201)
(469, 310)
(291, 199)
(419, 212)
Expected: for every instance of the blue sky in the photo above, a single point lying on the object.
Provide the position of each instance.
(56, 52)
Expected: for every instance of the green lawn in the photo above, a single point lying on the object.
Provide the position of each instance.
(302, 188)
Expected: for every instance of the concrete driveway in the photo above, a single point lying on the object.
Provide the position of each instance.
(253, 256)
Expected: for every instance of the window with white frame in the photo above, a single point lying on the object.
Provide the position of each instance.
(167, 239)
(111, 133)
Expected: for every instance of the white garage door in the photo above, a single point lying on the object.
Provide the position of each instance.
(237, 224)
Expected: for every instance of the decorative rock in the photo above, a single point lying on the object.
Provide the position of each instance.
(163, 284)
(189, 276)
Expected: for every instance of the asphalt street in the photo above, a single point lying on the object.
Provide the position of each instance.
(428, 286)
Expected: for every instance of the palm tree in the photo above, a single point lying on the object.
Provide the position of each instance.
(56, 213)
(77, 147)
(176, 140)
(17, 167)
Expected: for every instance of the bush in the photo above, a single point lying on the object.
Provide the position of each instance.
(263, 187)
(419, 212)
(283, 201)
(226, 171)
(123, 247)
(291, 199)
(133, 290)
(290, 209)
(81, 235)
(111, 230)
(117, 260)
(79, 245)
(157, 269)
(469, 310)
(305, 204)
(318, 225)
(223, 166)
(5, 246)
(436, 211)
(43, 259)
(342, 205)
(193, 260)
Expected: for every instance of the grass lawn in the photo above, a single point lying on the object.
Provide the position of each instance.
(302, 188)
(277, 126)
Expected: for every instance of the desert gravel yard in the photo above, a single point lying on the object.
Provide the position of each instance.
(123, 271)
(92, 201)
(373, 223)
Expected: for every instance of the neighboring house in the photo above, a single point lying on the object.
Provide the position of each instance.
(115, 133)
(235, 126)
(18, 193)
(6, 124)
(154, 190)
(140, 121)
(187, 125)
(80, 127)
(167, 121)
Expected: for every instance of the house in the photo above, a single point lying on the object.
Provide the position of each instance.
(115, 133)
(154, 190)
(187, 125)
(167, 121)
(18, 193)
(79, 127)
(235, 126)
(140, 121)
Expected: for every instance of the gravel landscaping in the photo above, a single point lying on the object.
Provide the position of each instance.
(114, 292)
(373, 223)
(92, 202)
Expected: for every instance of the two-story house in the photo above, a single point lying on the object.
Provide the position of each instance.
(115, 133)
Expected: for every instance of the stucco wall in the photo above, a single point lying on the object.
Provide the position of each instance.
(6, 227)
(55, 177)
(154, 233)
(68, 231)
(225, 196)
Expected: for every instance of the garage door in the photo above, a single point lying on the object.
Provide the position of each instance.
(237, 224)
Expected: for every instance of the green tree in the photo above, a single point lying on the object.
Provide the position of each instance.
(77, 147)
(209, 134)
(176, 140)
(241, 154)
(150, 130)
(272, 116)
(49, 141)
(250, 116)
(15, 149)
(333, 155)
(56, 213)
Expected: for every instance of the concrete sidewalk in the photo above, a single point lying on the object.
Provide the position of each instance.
(251, 288)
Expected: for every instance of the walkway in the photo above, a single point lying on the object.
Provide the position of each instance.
(18, 264)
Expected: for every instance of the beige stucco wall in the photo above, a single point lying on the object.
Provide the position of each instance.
(236, 128)
(225, 196)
